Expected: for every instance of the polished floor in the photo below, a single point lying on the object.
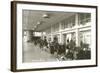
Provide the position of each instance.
(32, 53)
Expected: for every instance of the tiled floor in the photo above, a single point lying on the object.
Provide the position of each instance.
(32, 53)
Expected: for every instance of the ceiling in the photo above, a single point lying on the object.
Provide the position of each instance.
(31, 17)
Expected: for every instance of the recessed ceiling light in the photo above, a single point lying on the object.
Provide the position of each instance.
(45, 16)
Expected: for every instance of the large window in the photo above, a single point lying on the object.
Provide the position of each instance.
(55, 27)
(84, 18)
(68, 37)
(85, 37)
(69, 22)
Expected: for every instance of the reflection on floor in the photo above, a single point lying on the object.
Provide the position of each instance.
(32, 53)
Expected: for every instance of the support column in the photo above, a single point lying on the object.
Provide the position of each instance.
(61, 38)
(61, 35)
(77, 31)
(51, 33)
(77, 38)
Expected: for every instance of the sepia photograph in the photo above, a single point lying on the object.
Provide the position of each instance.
(53, 36)
(56, 36)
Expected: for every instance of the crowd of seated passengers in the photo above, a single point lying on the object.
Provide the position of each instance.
(66, 51)
(55, 47)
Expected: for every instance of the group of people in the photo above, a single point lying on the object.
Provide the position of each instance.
(60, 51)
(55, 48)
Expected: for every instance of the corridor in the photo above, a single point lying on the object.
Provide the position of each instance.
(33, 53)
